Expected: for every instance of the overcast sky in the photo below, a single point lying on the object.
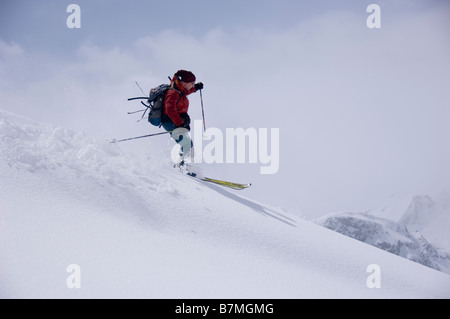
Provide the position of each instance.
(362, 113)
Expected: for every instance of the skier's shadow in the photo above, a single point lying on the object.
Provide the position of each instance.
(255, 206)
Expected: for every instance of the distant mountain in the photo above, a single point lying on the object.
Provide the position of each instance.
(430, 217)
(404, 236)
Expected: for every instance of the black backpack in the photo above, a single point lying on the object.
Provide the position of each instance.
(155, 102)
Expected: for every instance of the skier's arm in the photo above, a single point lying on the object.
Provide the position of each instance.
(170, 107)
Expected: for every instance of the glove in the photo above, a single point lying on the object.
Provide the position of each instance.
(198, 86)
(186, 121)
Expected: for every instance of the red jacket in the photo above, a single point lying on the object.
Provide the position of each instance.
(176, 102)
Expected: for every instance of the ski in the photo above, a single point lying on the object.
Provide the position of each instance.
(232, 185)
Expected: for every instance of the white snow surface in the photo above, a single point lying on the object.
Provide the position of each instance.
(139, 229)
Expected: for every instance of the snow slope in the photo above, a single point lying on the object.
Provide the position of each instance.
(138, 229)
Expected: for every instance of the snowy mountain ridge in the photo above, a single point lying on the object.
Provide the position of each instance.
(423, 213)
(412, 226)
(138, 229)
(388, 235)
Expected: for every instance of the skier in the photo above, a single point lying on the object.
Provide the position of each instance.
(169, 107)
(175, 118)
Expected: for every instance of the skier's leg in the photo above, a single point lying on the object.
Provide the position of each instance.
(182, 137)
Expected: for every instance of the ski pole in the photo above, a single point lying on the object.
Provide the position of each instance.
(203, 112)
(134, 138)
